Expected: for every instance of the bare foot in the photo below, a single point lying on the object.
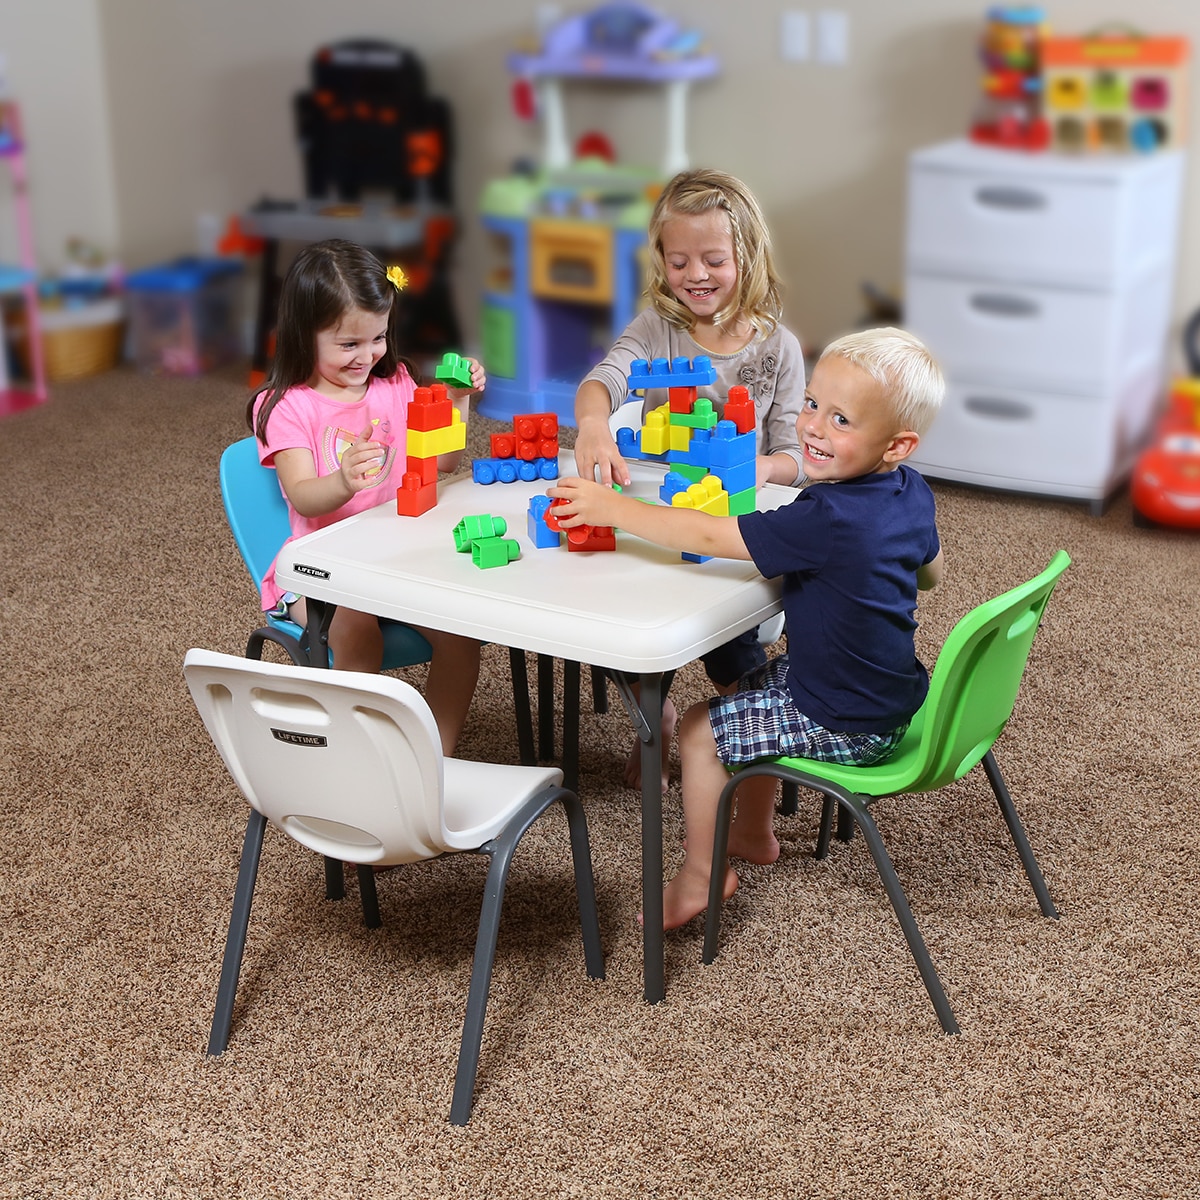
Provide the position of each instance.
(755, 848)
(686, 896)
(633, 764)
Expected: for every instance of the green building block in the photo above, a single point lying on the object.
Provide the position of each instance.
(454, 370)
(477, 528)
(494, 552)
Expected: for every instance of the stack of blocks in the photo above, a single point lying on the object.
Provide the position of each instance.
(530, 452)
(435, 427)
(483, 536)
(712, 461)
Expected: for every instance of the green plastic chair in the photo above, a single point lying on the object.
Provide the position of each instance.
(971, 695)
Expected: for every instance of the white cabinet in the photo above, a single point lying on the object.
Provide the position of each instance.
(1043, 285)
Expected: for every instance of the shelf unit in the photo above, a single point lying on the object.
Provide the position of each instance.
(1043, 284)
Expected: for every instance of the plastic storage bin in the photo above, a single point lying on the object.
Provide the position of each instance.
(185, 316)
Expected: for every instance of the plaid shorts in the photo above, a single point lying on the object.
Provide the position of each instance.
(760, 720)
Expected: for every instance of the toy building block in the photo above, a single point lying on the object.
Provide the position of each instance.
(454, 370)
(701, 415)
(656, 433)
(495, 552)
(733, 456)
(677, 373)
(681, 399)
(694, 454)
(739, 409)
(413, 497)
(540, 534)
(494, 470)
(591, 537)
(503, 445)
(540, 427)
(629, 443)
(426, 469)
(550, 519)
(429, 443)
(706, 496)
(477, 528)
(673, 483)
(742, 502)
(430, 409)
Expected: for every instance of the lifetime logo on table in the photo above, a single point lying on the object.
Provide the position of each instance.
(313, 572)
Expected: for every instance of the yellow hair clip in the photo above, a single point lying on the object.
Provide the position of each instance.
(397, 278)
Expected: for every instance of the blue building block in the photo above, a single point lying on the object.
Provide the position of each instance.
(629, 443)
(678, 372)
(697, 454)
(540, 534)
(673, 482)
(509, 470)
(728, 448)
(740, 478)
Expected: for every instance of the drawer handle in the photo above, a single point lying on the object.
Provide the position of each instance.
(1014, 199)
(999, 304)
(996, 409)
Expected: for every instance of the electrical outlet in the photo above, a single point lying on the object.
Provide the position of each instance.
(795, 36)
(833, 37)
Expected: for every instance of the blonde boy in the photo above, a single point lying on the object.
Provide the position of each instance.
(853, 549)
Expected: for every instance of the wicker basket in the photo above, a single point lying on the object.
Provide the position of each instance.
(76, 342)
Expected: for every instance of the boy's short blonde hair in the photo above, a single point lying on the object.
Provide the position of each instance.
(902, 365)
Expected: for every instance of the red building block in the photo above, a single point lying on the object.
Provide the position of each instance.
(739, 408)
(683, 399)
(425, 469)
(504, 445)
(591, 537)
(430, 409)
(413, 497)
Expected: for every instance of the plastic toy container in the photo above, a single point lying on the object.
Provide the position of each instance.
(185, 316)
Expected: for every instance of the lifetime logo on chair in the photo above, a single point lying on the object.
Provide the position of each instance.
(292, 738)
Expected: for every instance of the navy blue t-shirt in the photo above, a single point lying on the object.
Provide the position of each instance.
(849, 553)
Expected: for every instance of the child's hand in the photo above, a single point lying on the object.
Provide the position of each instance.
(594, 447)
(478, 381)
(362, 461)
(587, 503)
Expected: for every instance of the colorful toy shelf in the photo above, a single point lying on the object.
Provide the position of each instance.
(568, 240)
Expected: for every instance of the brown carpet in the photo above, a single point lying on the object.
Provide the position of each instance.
(806, 1061)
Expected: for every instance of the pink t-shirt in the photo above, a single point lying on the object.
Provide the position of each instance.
(307, 420)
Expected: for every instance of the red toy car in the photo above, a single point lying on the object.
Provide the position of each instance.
(1165, 485)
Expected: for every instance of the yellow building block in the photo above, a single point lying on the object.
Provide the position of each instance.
(429, 443)
(707, 496)
(656, 432)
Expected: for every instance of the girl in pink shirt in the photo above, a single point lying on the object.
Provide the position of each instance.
(332, 419)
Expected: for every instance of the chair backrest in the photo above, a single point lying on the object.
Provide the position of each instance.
(254, 507)
(348, 764)
(974, 684)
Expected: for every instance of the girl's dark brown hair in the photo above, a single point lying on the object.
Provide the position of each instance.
(325, 281)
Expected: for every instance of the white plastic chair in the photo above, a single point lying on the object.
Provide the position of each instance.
(350, 766)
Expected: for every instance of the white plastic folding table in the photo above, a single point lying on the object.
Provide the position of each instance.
(640, 611)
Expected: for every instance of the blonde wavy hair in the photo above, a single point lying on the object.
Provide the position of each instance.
(757, 296)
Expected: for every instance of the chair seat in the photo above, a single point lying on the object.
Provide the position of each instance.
(403, 646)
(479, 798)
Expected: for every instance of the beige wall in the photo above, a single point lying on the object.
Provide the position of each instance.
(145, 114)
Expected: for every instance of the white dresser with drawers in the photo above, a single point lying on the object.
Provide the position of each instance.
(1043, 284)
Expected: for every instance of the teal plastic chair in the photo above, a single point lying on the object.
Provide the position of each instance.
(971, 695)
(258, 517)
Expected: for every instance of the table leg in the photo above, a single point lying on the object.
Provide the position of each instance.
(646, 714)
(320, 615)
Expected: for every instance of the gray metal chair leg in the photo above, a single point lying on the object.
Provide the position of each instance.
(500, 850)
(1017, 830)
(235, 942)
(891, 884)
(368, 895)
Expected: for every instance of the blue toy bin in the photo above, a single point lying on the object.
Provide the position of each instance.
(185, 316)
